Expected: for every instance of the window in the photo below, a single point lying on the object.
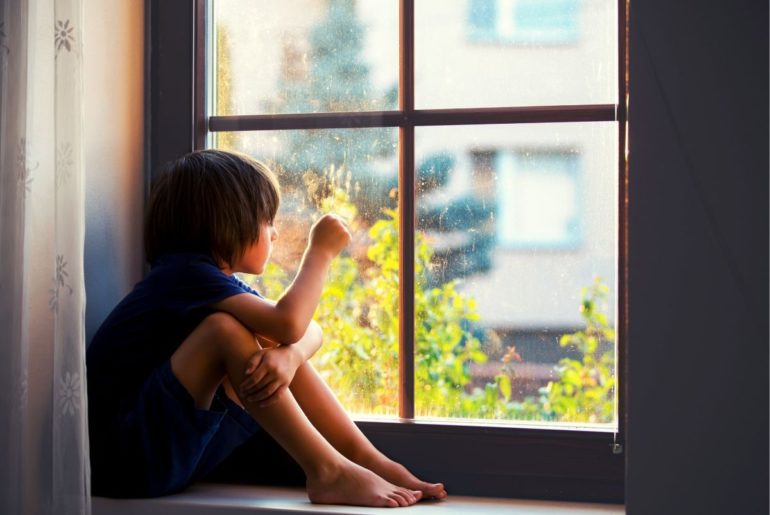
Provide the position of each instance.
(524, 22)
(427, 136)
(526, 176)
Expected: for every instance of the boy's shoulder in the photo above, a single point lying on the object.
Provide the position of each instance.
(193, 277)
(179, 288)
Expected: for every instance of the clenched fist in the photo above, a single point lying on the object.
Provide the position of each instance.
(329, 235)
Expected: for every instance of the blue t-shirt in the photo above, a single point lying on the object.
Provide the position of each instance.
(149, 324)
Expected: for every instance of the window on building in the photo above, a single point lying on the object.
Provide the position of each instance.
(526, 177)
(524, 22)
(478, 304)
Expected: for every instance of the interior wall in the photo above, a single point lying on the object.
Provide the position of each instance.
(698, 229)
(114, 106)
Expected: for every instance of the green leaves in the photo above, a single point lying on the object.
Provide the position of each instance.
(359, 359)
(504, 383)
(585, 391)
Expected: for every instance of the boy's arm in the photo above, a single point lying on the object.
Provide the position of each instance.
(286, 320)
(271, 370)
(304, 348)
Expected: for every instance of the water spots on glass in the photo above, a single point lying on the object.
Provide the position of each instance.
(313, 57)
(513, 303)
(481, 284)
(359, 308)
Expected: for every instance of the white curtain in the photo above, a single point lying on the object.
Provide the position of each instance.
(44, 466)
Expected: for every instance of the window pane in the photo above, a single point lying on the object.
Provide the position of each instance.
(305, 56)
(353, 173)
(515, 276)
(529, 52)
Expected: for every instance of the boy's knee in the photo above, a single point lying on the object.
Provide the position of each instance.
(226, 328)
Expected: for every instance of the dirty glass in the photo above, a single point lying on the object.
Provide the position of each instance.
(515, 286)
(307, 56)
(516, 241)
(353, 173)
(529, 52)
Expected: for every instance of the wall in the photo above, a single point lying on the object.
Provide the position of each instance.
(114, 107)
(698, 345)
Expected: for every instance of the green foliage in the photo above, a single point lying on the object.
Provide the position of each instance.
(359, 358)
(585, 391)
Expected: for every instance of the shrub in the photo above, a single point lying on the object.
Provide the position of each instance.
(359, 359)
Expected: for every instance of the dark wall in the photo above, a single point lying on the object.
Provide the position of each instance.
(698, 286)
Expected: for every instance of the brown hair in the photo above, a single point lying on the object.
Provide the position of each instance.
(209, 201)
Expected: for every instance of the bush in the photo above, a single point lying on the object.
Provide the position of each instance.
(359, 359)
(585, 391)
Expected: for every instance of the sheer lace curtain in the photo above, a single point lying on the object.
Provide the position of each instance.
(44, 465)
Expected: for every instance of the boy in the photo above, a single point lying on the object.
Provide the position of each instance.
(193, 362)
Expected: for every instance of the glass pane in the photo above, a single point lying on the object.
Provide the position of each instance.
(353, 173)
(304, 56)
(515, 276)
(529, 52)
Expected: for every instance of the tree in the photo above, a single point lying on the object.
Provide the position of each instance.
(337, 81)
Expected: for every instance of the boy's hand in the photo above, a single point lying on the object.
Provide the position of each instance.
(269, 374)
(329, 234)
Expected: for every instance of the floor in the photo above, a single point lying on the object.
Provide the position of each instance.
(252, 500)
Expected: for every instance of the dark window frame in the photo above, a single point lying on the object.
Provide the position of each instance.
(557, 464)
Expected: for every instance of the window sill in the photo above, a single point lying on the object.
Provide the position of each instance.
(212, 499)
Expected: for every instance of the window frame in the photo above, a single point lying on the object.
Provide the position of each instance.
(523, 461)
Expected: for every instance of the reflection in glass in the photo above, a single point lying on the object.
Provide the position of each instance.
(515, 295)
(356, 178)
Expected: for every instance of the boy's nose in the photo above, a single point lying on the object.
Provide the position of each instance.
(274, 235)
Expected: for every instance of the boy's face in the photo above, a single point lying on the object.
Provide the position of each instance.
(258, 253)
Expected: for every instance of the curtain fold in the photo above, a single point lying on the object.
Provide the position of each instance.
(44, 464)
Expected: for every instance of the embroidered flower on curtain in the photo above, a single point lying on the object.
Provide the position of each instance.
(69, 393)
(64, 163)
(26, 165)
(60, 282)
(64, 36)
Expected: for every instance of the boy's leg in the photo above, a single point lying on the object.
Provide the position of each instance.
(220, 346)
(327, 414)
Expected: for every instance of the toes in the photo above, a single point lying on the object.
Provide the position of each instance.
(434, 490)
(389, 502)
(416, 494)
(411, 496)
(399, 498)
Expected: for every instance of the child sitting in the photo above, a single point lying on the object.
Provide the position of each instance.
(193, 362)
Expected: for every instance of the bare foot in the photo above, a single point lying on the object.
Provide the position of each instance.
(399, 475)
(353, 484)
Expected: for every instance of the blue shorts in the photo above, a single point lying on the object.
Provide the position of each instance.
(163, 443)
